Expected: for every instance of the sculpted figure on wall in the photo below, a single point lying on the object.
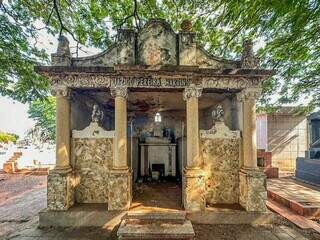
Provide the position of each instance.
(218, 114)
(97, 114)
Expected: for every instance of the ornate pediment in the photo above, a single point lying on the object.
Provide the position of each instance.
(156, 44)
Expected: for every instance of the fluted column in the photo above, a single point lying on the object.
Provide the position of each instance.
(63, 156)
(248, 98)
(191, 95)
(120, 98)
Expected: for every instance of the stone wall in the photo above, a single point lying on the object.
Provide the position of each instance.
(220, 151)
(92, 162)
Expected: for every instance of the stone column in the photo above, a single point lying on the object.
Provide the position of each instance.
(120, 101)
(60, 194)
(191, 95)
(120, 183)
(193, 176)
(248, 97)
(252, 180)
(63, 130)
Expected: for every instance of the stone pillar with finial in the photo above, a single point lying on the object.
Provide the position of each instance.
(63, 56)
(187, 45)
(248, 59)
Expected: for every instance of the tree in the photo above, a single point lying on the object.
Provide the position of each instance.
(8, 137)
(289, 29)
(43, 112)
(18, 57)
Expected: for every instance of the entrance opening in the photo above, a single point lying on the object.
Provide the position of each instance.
(156, 141)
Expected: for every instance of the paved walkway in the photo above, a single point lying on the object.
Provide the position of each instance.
(19, 220)
(294, 190)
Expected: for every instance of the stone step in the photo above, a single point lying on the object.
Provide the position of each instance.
(155, 229)
(181, 215)
(310, 210)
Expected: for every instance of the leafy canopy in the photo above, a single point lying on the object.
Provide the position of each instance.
(289, 29)
(43, 112)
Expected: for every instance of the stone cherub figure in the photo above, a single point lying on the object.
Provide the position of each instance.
(218, 114)
(97, 114)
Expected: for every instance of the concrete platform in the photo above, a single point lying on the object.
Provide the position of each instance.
(96, 215)
(230, 216)
(81, 215)
(299, 197)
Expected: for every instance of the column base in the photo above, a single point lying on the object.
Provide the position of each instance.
(61, 170)
(60, 190)
(119, 189)
(253, 192)
(193, 190)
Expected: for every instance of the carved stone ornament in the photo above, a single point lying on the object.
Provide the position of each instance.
(218, 114)
(119, 91)
(248, 60)
(93, 131)
(192, 92)
(249, 94)
(97, 114)
(60, 91)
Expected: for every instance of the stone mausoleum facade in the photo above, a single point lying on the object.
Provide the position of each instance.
(155, 104)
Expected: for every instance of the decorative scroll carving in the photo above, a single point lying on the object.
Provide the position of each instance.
(93, 131)
(165, 81)
(249, 94)
(81, 80)
(59, 90)
(219, 130)
(119, 92)
(232, 83)
(192, 92)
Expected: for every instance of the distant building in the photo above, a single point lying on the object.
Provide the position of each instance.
(285, 134)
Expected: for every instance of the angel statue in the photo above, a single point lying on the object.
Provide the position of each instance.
(218, 114)
(97, 114)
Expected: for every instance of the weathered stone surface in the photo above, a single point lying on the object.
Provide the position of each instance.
(253, 194)
(93, 160)
(119, 189)
(204, 60)
(193, 190)
(157, 44)
(60, 195)
(220, 149)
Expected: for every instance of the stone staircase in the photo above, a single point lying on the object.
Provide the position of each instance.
(10, 166)
(155, 225)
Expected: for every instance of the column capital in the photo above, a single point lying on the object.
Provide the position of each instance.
(119, 91)
(249, 94)
(59, 90)
(192, 92)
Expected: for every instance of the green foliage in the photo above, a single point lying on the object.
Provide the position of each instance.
(8, 137)
(43, 112)
(289, 29)
(18, 57)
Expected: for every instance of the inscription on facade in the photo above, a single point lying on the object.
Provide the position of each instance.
(150, 82)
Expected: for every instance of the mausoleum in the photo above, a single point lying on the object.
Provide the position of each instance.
(155, 105)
